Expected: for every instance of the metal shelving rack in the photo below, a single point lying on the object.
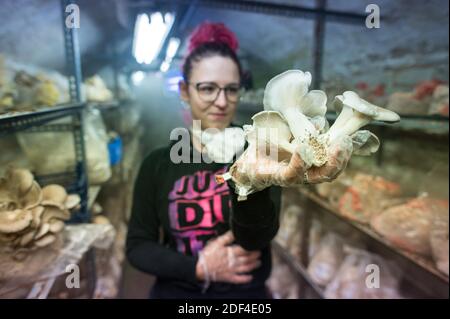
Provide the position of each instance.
(298, 268)
(416, 268)
(432, 280)
(425, 126)
(76, 180)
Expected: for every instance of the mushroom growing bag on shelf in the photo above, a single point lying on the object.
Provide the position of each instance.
(327, 260)
(363, 275)
(54, 152)
(50, 262)
(366, 197)
(409, 226)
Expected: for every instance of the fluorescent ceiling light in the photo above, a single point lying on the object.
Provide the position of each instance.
(164, 66)
(137, 77)
(174, 79)
(149, 35)
(172, 47)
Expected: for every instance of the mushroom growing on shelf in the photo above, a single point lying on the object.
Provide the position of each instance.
(31, 217)
(54, 195)
(15, 221)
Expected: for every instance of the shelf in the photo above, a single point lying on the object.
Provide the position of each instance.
(78, 248)
(19, 121)
(425, 264)
(109, 105)
(424, 123)
(105, 106)
(297, 267)
(41, 289)
(430, 124)
(93, 193)
(253, 108)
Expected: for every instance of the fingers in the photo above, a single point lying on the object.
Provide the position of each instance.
(294, 171)
(248, 267)
(297, 162)
(226, 238)
(244, 260)
(342, 147)
(240, 279)
(255, 255)
(339, 154)
(238, 251)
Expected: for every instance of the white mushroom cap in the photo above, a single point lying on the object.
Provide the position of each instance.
(288, 94)
(314, 103)
(286, 90)
(56, 226)
(54, 194)
(15, 221)
(271, 125)
(54, 212)
(352, 100)
(365, 143)
(27, 238)
(101, 220)
(44, 229)
(356, 113)
(37, 212)
(8, 200)
(45, 241)
(32, 198)
(20, 179)
(18, 190)
(72, 201)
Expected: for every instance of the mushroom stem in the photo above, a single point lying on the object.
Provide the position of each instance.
(343, 116)
(302, 129)
(350, 126)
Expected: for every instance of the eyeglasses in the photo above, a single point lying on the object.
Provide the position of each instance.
(209, 91)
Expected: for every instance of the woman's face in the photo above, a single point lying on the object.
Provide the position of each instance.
(215, 108)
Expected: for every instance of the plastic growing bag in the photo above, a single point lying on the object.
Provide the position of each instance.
(51, 261)
(363, 275)
(54, 152)
(327, 260)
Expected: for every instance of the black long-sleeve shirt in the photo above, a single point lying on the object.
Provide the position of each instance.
(177, 208)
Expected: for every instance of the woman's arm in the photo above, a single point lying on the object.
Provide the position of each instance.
(255, 221)
(143, 249)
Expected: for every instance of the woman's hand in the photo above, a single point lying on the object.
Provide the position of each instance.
(339, 155)
(264, 171)
(221, 261)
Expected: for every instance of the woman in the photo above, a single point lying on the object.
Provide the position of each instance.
(211, 244)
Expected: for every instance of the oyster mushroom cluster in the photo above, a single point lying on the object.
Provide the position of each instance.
(31, 216)
(294, 120)
(289, 104)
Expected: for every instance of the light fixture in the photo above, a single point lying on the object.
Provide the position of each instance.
(164, 66)
(149, 35)
(172, 81)
(172, 48)
(137, 77)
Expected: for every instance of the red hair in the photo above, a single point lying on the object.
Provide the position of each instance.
(208, 32)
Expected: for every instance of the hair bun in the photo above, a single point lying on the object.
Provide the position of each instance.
(212, 32)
